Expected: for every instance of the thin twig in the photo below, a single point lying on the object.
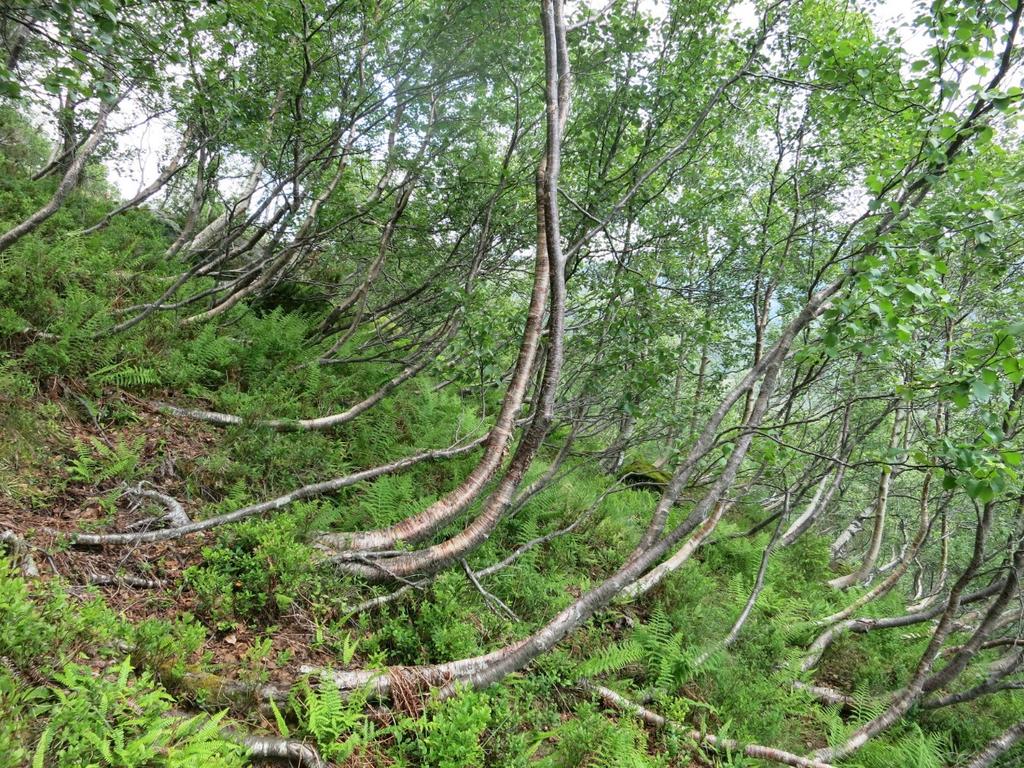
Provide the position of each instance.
(490, 599)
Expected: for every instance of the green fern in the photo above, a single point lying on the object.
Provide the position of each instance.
(126, 375)
(126, 721)
(612, 658)
(738, 589)
(386, 500)
(96, 462)
(912, 749)
(328, 717)
(865, 706)
(282, 726)
(39, 758)
(83, 467)
(661, 650)
(592, 740)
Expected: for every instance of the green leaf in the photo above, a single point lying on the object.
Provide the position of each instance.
(1012, 458)
(9, 89)
(39, 758)
(282, 726)
(981, 391)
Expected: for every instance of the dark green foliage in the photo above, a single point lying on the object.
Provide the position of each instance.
(260, 570)
(62, 713)
(78, 681)
(593, 740)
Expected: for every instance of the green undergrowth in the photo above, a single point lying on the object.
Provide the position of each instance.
(71, 697)
(80, 684)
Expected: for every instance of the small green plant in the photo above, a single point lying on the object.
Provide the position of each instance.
(124, 721)
(592, 740)
(656, 645)
(163, 642)
(348, 648)
(338, 725)
(256, 660)
(17, 701)
(126, 375)
(450, 731)
(343, 643)
(25, 635)
(96, 462)
(258, 570)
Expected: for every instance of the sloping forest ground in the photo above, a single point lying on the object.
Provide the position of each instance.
(109, 652)
(490, 384)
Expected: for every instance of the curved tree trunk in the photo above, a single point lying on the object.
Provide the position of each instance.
(998, 747)
(434, 558)
(890, 581)
(70, 180)
(867, 567)
(446, 509)
(180, 159)
(906, 698)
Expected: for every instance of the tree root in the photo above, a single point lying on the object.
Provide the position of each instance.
(127, 580)
(299, 494)
(270, 747)
(176, 516)
(296, 753)
(621, 703)
(22, 551)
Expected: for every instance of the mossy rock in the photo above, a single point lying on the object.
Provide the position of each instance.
(288, 296)
(642, 474)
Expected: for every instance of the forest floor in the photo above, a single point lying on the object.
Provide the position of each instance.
(89, 668)
(168, 445)
(251, 602)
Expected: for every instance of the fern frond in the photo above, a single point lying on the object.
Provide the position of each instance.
(613, 657)
(125, 375)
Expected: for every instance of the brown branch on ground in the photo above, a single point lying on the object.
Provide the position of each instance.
(175, 517)
(126, 580)
(299, 494)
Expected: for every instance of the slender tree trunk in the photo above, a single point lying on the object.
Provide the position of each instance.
(843, 539)
(617, 450)
(180, 159)
(419, 526)
(884, 587)
(67, 183)
(434, 558)
(677, 390)
(906, 698)
(867, 567)
(755, 751)
(14, 43)
(208, 235)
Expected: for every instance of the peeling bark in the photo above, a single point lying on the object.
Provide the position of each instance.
(305, 492)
